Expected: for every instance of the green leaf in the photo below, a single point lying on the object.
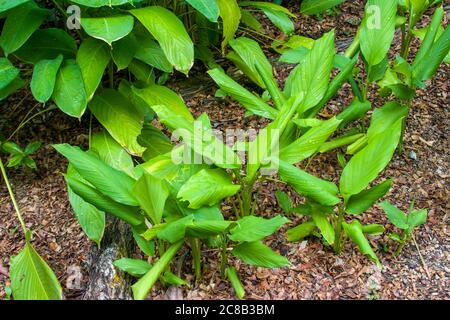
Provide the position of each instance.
(321, 221)
(135, 267)
(104, 203)
(231, 18)
(159, 95)
(416, 218)
(365, 166)
(312, 7)
(123, 51)
(101, 3)
(7, 73)
(44, 78)
(207, 187)
(372, 229)
(32, 278)
(156, 142)
(301, 231)
(250, 101)
(32, 147)
(339, 142)
(92, 57)
(384, 118)
(377, 30)
(170, 278)
(11, 148)
(151, 53)
(175, 230)
(108, 29)
(251, 228)
(207, 228)
(323, 192)
(362, 201)
(20, 25)
(112, 153)
(69, 93)
(208, 8)
(109, 181)
(356, 110)
(170, 33)
(396, 216)
(144, 285)
(258, 254)
(15, 85)
(280, 20)
(428, 65)
(284, 201)
(146, 246)
(119, 117)
(248, 19)
(312, 76)
(47, 44)
(235, 282)
(151, 193)
(9, 4)
(355, 231)
(91, 219)
(310, 142)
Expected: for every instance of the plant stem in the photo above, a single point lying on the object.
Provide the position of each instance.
(13, 198)
(25, 121)
(196, 258)
(338, 230)
(223, 257)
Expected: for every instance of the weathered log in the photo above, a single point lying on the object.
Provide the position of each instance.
(105, 281)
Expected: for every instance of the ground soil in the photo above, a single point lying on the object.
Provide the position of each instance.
(421, 172)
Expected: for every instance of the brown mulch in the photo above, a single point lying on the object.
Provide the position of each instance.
(420, 173)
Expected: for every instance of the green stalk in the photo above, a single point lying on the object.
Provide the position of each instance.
(353, 48)
(145, 284)
(196, 257)
(338, 230)
(13, 198)
(223, 257)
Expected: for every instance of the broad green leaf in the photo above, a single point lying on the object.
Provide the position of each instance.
(294, 56)
(356, 110)
(20, 25)
(44, 78)
(151, 193)
(112, 153)
(140, 105)
(339, 142)
(280, 20)
(377, 30)
(250, 101)
(323, 192)
(311, 77)
(175, 230)
(9, 4)
(92, 57)
(171, 35)
(135, 267)
(258, 254)
(91, 219)
(355, 231)
(207, 228)
(144, 285)
(142, 71)
(253, 57)
(321, 221)
(396, 216)
(251, 228)
(248, 19)
(123, 51)
(15, 85)
(156, 142)
(160, 95)
(119, 118)
(385, 117)
(108, 29)
(69, 93)
(301, 231)
(430, 36)
(267, 5)
(32, 278)
(208, 8)
(284, 201)
(428, 65)
(104, 203)
(7, 73)
(372, 229)
(109, 181)
(362, 201)
(365, 166)
(207, 187)
(310, 142)
(47, 44)
(101, 3)
(151, 53)
(416, 218)
(146, 246)
(231, 17)
(235, 282)
(312, 7)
